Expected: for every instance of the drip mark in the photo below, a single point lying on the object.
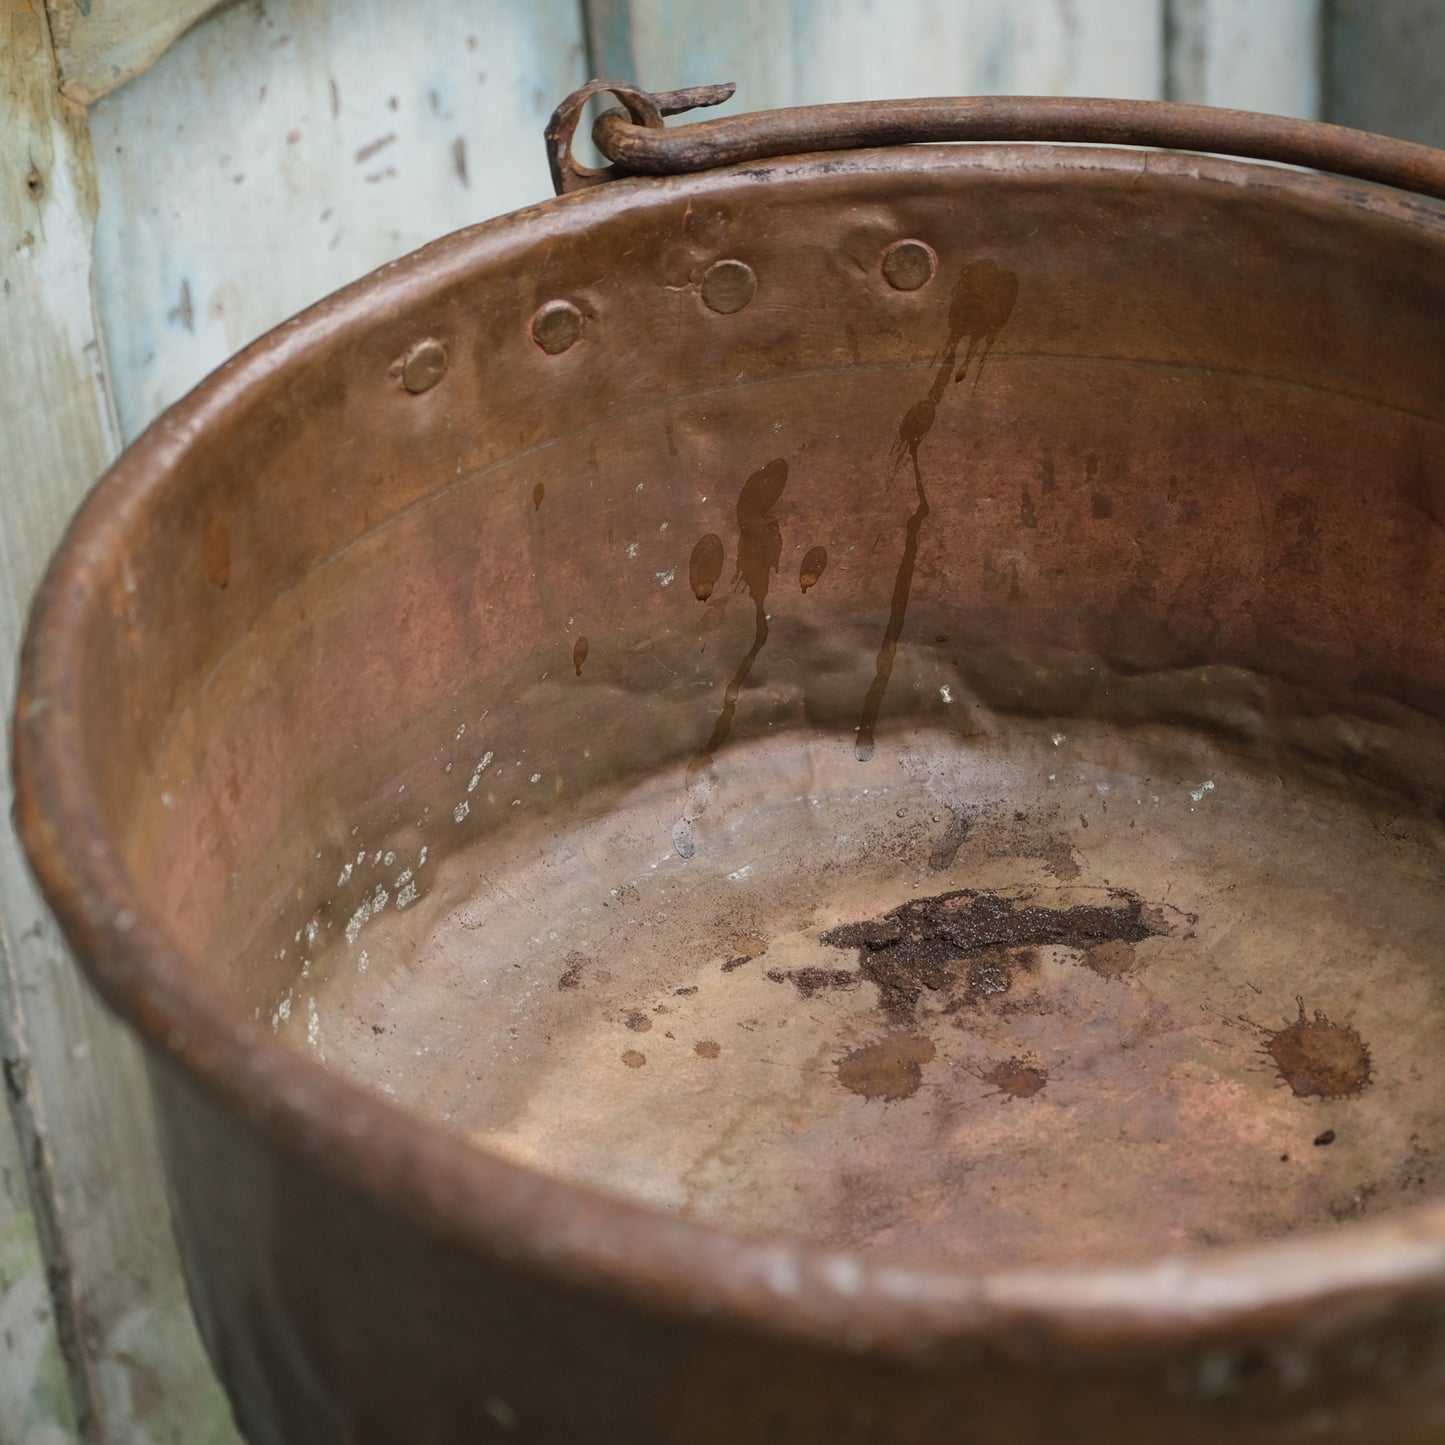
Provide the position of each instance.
(760, 549)
(579, 654)
(705, 566)
(982, 302)
(815, 563)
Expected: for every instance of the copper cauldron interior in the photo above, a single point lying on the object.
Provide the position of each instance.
(932, 750)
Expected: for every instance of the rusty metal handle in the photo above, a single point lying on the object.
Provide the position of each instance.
(637, 143)
(643, 109)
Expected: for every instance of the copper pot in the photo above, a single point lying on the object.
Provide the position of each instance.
(800, 801)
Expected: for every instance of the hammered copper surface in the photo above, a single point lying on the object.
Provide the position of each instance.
(862, 866)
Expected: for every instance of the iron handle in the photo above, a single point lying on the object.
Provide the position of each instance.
(636, 141)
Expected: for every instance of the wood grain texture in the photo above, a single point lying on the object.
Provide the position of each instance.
(810, 51)
(99, 46)
(1384, 61)
(279, 152)
(77, 1096)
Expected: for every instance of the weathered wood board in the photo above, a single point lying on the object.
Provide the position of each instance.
(77, 1098)
(35, 1404)
(1246, 54)
(806, 52)
(277, 152)
(100, 46)
(1384, 65)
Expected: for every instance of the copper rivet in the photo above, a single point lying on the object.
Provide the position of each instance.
(728, 286)
(909, 265)
(424, 365)
(556, 326)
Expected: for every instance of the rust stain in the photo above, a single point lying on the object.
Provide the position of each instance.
(572, 973)
(945, 851)
(929, 945)
(760, 550)
(1058, 858)
(982, 301)
(705, 566)
(815, 563)
(1320, 1059)
(1115, 959)
(890, 1069)
(707, 1049)
(633, 1059)
(1017, 1079)
(813, 980)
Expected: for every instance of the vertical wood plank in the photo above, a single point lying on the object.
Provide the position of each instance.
(1384, 65)
(609, 39)
(986, 47)
(422, 119)
(35, 1404)
(812, 51)
(98, 47)
(75, 1088)
(1247, 54)
(277, 152)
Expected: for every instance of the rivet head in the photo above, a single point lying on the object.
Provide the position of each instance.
(556, 326)
(728, 286)
(908, 265)
(423, 366)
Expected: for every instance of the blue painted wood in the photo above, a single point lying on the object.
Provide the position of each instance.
(1383, 65)
(1246, 54)
(803, 52)
(274, 154)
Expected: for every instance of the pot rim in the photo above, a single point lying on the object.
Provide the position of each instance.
(1315, 1283)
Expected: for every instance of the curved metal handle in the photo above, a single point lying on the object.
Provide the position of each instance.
(641, 145)
(641, 108)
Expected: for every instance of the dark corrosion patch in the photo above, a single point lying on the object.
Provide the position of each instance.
(1318, 1058)
(891, 1068)
(965, 944)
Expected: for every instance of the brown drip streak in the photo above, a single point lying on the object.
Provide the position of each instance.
(814, 564)
(705, 566)
(760, 550)
(981, 303)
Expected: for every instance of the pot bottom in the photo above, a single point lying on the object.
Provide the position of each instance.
(1031, 997)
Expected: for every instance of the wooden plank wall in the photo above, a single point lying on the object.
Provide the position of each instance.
(72, 1081)
(98, 47)
(280, 151)
(1384, 64)
(1245, 55)
(153, 220)
(35, 1407)
(472, 85)
(810, 51)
